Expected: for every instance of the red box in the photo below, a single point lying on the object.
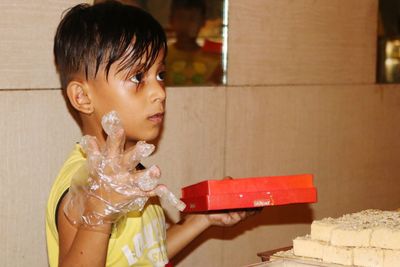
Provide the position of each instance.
(249, 192)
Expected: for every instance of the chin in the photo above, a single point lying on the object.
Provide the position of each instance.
(154, 137)
(148, 137)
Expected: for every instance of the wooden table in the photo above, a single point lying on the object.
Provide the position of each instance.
(265, 255)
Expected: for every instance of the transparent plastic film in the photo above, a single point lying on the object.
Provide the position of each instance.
(168, 196)
(108, 186)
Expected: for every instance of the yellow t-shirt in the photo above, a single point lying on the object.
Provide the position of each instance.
(139, 239)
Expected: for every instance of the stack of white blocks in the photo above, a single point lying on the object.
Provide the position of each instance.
(369, 238)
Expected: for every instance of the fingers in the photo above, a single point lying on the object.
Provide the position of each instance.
(115, 144)
(227, 178)
(163, 192)
(89, 145)
(227, 218)
(116, 136)
(146, 179)
(143, 150)
(111, 123)
(242, 215)
(134, 155)
(251, 212)
(91, 148)
(113, 183)
(235, 217)
(129, 189)
(149, 179)
(132, 192)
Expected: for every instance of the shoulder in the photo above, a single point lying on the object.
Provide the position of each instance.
(74, 165)
(58, 191)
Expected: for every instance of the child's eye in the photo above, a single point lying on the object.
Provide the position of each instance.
(161, 76)
(137, 78)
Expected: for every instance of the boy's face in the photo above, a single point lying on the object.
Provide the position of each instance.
(138, 98)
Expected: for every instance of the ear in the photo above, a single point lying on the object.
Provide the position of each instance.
(77, 93)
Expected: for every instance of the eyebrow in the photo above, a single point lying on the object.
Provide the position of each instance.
(162, 63)
(132, 69)
(137, 68)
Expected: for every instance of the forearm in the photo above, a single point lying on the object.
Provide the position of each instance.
(88, 248)
(181, 234)
(80, 245)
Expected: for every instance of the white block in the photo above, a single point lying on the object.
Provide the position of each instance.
(391, 258)
(304, 246)
(339, 255)
(350, 236)
(322, 229)
(384, 237)
(368, 257)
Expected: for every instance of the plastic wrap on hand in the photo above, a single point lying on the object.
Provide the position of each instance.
(168, 196)
(109, 186)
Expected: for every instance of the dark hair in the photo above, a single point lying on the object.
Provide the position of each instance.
(189, 4)
(90, 36)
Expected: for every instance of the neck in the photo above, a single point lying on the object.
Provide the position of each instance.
(92, 127)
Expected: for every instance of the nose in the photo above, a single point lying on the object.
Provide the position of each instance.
(157, 91)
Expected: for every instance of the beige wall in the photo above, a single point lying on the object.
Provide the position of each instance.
(301, 99)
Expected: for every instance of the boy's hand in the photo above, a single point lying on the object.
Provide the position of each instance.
(114, 187)
(229, 218)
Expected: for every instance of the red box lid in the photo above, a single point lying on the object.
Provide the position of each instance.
(249, 192)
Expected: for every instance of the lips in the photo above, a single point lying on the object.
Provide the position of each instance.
(157, 118)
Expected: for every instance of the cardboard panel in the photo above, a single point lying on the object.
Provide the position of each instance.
(297, 42)
(347, 136)
(27, 30)
(191, 149)
(302, 42)
(37, 134)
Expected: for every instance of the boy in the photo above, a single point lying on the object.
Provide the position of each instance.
(111, 57)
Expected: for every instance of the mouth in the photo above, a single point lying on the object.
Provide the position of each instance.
(157, 118)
